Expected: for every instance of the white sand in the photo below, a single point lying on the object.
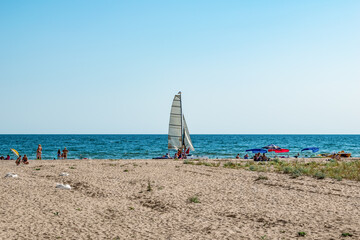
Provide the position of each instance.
(106, 202)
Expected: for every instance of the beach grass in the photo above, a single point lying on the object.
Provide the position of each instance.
(319, 170)
(194, 199)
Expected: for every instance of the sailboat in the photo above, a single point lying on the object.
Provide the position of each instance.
(178, 136)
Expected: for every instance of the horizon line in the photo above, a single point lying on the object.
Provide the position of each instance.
(190, 134)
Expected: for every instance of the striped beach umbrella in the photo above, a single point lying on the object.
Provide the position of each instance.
(15, 152)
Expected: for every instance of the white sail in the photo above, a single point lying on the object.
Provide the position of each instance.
(187, 139)
(175, 127)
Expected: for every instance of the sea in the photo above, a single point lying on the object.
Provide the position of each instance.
(139, 146)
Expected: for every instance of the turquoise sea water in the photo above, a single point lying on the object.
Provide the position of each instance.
(149, 146)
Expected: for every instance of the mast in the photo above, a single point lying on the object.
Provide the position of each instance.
(182, 125)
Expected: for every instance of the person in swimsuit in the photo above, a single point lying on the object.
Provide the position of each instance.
(38, 152)
(18, 160)
(25, 159)
(238, 156)
(8, 157)
(59, 154)
(65, 151)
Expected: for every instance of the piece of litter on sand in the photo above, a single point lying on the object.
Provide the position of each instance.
(11, 175)
(64, 174)
(63, 186)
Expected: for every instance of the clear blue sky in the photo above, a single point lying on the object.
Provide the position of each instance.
(243, 66)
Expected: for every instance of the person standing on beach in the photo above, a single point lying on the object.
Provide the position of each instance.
(38, 152)
(59, 154)
(65, 151)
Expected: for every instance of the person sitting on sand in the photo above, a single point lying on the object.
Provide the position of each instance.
(238, 156)
(264, 157)
(246, 156)
(18, 160)
(8, 157)
(25, 159)
(257, 157)
(2, 158)
(65, 151)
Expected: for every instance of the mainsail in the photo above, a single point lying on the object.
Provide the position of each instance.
(179, 136)
(175, 124)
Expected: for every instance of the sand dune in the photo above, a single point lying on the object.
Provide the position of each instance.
(149, 199)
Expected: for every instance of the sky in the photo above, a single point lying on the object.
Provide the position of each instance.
(244, 67)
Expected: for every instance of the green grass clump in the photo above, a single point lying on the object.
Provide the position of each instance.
(194, 199)
(261, 177)
(296, 173)
(252, 168)
(301, 234)
(188, 162)
(319, 175)
(346, 235)
(200, 163)
(37, 169)
(229, 165)
(72, 167)
(149, 188)
(126, 170)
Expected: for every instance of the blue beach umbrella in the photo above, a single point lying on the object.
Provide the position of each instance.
(257, 150)
(313, 149)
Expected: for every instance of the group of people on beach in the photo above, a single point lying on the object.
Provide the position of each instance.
(24, 160)
(257, 157)
(60, 155)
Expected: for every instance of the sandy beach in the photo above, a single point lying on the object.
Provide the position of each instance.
(149, 199)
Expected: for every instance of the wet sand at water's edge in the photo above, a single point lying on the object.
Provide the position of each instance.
(149, 199)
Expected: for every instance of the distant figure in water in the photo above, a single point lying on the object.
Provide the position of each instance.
(238, 156)
(25, 159)
(246, 156)
(38, 152)
(59, 154)
(65, 152)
